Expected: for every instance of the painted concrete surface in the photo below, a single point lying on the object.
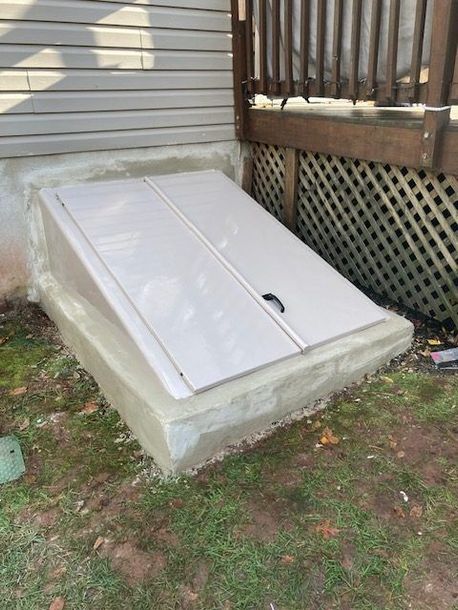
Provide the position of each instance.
(21, 178)
(181, 434)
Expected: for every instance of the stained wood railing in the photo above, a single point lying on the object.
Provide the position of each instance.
(268, 49)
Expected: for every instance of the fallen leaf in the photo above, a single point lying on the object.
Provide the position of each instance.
(286, 560)
(326, 529)
(176, 503)
(18, 391)
(386, 379)
(416, 511)
(400, 454)
(57, 604)
(98, 543)
(3, 340)
(88, 408)
(328, 437)
(434, 342)
(25, 423)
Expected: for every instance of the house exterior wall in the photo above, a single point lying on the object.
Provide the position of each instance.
(149, 80)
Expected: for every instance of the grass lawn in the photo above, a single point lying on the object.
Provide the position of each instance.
(289, 524)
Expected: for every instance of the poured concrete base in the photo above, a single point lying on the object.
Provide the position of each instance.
(182, 433)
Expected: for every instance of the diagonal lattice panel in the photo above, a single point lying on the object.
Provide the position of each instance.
(269, 177)
(388, 228)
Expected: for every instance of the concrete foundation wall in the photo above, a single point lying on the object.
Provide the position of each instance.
(21, 179)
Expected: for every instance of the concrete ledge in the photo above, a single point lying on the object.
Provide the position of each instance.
(180, 434)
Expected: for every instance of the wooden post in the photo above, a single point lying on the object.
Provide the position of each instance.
(434, 124)
(239, 71)
(291, 184)
(247, 174)
(443, 51)
(441, 66)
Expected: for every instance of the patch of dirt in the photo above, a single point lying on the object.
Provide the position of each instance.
(266, 519)
(45, 519)
(55, 489)
(421, 447)
(433, 584)
(134, 565)
(58, 424)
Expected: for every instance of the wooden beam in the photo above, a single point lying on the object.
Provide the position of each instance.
(448, 153)
(392, 57)
(239, 70)
(249, 52)
(374, 43)
(262, 29)
(397, 142)
(336, 48)
(443, 51)
(275, 82)
(289, 84)
(247, 175)
(304, 48)
(355, 47)
(320, 39)
(417, 46)
(291, 183)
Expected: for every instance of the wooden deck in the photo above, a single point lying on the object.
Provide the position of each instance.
(388, 135)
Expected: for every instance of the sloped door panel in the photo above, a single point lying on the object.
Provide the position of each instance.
(206, 321)
(319, 304)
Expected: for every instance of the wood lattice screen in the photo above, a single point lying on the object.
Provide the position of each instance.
(391, 229)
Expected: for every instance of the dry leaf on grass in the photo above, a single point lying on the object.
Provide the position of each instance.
(328, 437)
(386, 379)
(98, 543)
(57, 604)
(286, 560)
(3, 340)
(25, 423)
(326, 529)
(434, 342)
(416, 511)
(88, 408)
(18, 391)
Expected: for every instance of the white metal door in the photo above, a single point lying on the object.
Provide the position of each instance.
(208, 323)
(320, 304)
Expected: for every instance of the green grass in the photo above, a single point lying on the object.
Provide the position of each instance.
(243, 534)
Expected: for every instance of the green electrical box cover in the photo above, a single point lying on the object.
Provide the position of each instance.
(11, 461)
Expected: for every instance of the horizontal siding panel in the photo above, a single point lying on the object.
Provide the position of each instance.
(15, 103)
(217, 5)
(127, 100)
(111, 13)
(39, 124)
(84, 80)
(182, 40)
(30, 56)
(13, 80)
(54, 144)
(59, 34)
(182, 60)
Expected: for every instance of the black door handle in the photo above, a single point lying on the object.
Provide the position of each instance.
(271, 297)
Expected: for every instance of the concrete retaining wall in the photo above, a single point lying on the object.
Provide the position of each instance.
(21, 178)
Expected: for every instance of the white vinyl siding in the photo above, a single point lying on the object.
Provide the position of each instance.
(85, 75)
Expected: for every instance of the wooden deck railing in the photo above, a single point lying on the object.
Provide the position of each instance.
(265, 60)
